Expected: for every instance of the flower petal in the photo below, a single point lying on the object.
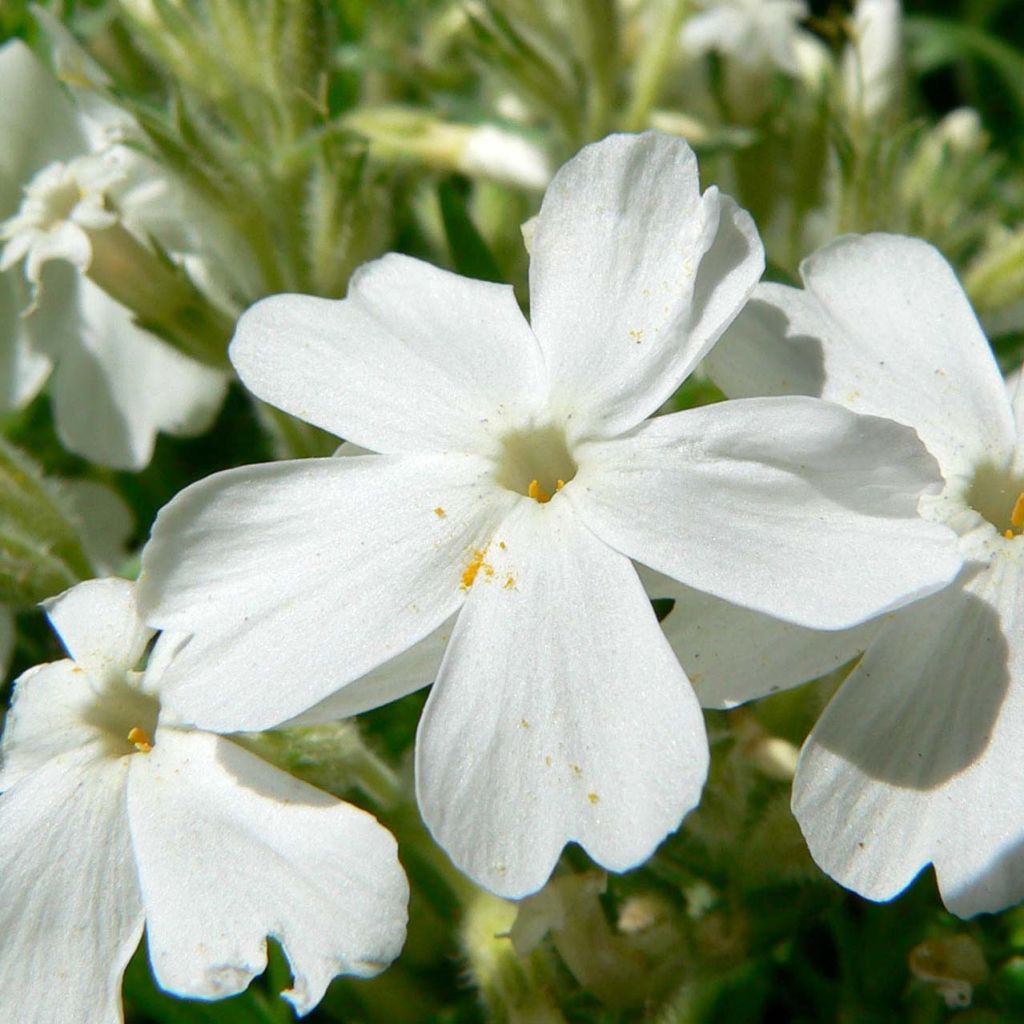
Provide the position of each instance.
(886, 329)
(732, 654)
(408, 672)
(231, 849)
(99, 625)
(70, 915)
(633, 275)
(23, 371)
(299, 577)
(37, 121)
(103, 520)
(559, 713)
(116, 386)
(917, 757)
(48, 717)
(789, 506)
(461, 347)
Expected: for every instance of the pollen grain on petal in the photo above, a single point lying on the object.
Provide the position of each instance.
(440, 512)
(593, 798)
(140, 740)
(476, 563)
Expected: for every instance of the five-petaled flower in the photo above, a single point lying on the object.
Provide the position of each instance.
(516, 476)
(113, 817)
(917, 758)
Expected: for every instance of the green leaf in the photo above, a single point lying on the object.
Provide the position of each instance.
(471, 255)
(41, 553)
(937, 41)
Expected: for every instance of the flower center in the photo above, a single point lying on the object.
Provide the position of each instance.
(125, 716)
(536, 462)
(999, 497)
(56, 204)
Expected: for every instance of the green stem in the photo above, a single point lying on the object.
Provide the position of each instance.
(653, 63)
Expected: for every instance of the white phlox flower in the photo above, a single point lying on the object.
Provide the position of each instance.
(113, 385)
(60, 205)
(757, 34)
(917, 758)
(113, 818)
(516, 476)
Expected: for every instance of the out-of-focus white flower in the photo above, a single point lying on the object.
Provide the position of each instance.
(873, 60)
(514, 492)
(758, 34)
(505, 156)
(114, 817)
(485, 150)
(114, 386)
(60, 205)
(917, 758)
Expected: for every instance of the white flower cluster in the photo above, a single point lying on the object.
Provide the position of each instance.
(114, 385)
(513, 504)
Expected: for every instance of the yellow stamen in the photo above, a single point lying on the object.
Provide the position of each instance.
(1009, 534)
(534, 491)
(140, 740)
(1017, 515)
(559, 484)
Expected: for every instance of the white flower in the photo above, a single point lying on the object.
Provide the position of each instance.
(504, 156)
(61, 203)
(873, 61)
(757, 34)
(112, 818)
(516, 479)
(917, 758)
(113, 385)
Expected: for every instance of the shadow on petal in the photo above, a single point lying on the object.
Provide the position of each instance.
(922, 704)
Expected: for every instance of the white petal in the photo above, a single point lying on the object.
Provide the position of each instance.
(732, 654)
(65, 241)
(116, 386)
(49, 716)
(23, 371)
(917, 758)
(410, 671)
(559, 713)
(633, 275)
(70, 916)
(231, 849)
(415, 359)
(37, 122)
(884, 328)
(105, 522)
(299, 577)
(99, 625)
(789, 506)
(721, 28)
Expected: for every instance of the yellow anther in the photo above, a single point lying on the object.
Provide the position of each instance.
(1009, 534)
(559, 484)
(1017, 515)
(534, 491)
(140, 740)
